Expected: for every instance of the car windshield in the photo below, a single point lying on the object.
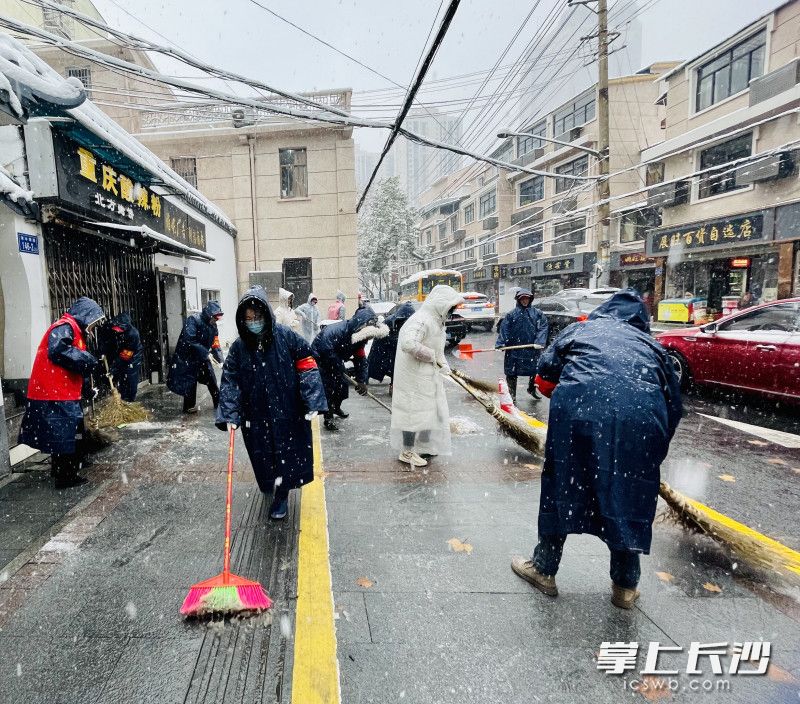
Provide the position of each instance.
(589, 303)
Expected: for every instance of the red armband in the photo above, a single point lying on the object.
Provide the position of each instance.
(215, 345)
(126, 354)
(117, 328)
(546, 387)
(305, 364)
(360, 352)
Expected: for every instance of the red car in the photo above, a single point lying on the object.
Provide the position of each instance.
(754, 350)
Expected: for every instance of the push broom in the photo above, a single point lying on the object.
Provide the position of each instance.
(115, 411)
(226, 593)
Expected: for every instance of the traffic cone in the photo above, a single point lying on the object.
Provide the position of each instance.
(506, 402)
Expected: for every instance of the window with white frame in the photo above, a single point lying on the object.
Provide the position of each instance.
(294, 173)
(568, 235)
(531, 190)
(429, 237)
(186, 168)
(577, 113)
(487, 203)
(208, 294)
(530, 242)
(730, 72)
(723, 179)
(488, 247)
(634, 224)
(469, 248)
(577, 167)
(529, 143)
(454, 222)
(84, 75)
(469, 213)
(442, 231)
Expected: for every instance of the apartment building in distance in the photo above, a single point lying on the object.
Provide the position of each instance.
(729, 195)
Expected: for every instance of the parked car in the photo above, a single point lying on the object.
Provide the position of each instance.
(756, 350)
(455, 327)
(568, 307)
(477, 310)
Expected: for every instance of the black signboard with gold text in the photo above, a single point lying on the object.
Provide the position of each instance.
(96, 187)
(716, 233)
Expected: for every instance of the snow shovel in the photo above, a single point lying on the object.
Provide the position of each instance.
(465, 350)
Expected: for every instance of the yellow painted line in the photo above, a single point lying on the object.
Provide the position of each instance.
(315, 673)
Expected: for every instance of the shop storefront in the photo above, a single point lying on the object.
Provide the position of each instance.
(634, 270)
(714, 263)
(551, 275)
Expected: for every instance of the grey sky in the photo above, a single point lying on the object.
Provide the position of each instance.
(390, 36)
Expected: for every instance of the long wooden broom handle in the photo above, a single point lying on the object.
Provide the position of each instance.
(373, 397)
(512, 347)
(226, 565)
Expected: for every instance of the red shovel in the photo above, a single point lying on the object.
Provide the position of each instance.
(465, 350)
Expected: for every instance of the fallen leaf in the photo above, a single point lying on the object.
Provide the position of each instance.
(653, 688)
(458, 546)
(778, 674)
(364, 582)
(710, 587)
(727, 478)
(665, 576)
(777, 460)
(760, 443)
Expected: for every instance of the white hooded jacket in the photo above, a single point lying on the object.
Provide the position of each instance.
(419, 403)
(284, 315)
(309, 319)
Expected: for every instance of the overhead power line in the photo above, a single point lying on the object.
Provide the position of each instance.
(412, 91)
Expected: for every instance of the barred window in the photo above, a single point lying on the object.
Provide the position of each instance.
(294, 173)
(84, 75)
(723, 179)
(186, 168)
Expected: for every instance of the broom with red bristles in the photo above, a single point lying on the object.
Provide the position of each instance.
(226, 593)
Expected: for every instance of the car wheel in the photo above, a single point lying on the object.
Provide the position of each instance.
(681, 367)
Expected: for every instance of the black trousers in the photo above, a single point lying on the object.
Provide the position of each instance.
(66, 465)
(511, 381)
(210, 380)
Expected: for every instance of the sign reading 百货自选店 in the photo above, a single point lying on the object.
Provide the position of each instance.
(731, 231)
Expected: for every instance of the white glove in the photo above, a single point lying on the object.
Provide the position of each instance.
(311, 415)
(95, 393)
(232, 426)
(424, 354)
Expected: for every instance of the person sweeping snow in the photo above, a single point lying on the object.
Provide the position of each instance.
(420, 416)
(309, 319)
(615, 406)
(271, 387)
(284, 312)
(123, 348)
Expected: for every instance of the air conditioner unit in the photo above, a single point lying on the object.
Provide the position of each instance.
(575, 133)
(530, 216)
(242, 118)
(775, 82)
(529, 157)
(458, 234)
(667, 195)
(768, 168)
(490, 223)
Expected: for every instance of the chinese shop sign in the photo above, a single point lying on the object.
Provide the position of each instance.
(730, 231)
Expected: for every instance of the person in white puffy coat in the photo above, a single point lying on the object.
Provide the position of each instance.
(420, 416)
(284, 313)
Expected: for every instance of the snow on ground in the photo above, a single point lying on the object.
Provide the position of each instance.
(464, 426)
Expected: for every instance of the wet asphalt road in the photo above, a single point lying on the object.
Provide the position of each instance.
(428, 609)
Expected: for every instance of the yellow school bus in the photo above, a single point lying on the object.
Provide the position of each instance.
(418, 285)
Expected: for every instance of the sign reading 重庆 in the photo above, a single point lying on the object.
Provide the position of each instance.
(737, 230)
(90, 182)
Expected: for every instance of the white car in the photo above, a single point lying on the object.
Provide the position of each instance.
(477, 310)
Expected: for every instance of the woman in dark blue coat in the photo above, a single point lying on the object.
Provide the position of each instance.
(124, 351)
(613, 412)
(522, 326)
(271, 388)
(339, 343)
(190, 362)
(381, 356)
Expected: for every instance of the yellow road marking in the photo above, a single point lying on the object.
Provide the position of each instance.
(315, 675)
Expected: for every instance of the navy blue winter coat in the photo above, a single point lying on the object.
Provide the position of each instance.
(269, 383)
(334, 346)
(522, 326)
(382, 354)
(124, 351)
(196, 340)
(612, 416)
(52, 426)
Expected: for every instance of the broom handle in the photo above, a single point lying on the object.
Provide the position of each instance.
(512, 347)
(226, 565)
(373, 397)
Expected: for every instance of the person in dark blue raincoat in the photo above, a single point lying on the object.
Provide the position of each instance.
(53, 421)
(383, 351)
(339, 343)
(522, 326)
(190, 362)
(271, 388)
(123, 349)
(615, 406)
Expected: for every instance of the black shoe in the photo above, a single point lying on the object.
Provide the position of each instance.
(279, 509)
(69, 482)
(329, 424)
(536, 395)
(339, 412)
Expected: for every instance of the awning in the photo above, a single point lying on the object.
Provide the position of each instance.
(165, 244)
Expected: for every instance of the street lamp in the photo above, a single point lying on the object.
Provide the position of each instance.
(593, 152)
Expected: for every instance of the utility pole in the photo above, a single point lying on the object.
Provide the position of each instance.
(603, 185)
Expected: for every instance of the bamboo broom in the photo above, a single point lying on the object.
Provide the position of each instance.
(115, 411)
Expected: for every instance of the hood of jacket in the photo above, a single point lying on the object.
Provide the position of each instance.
(522, 292)
(86, 311)
(440, 300)
(340, 296)
(374, 331)
(255, 297)
(627, 306)
(362, 318)
(122, 321)
(403, 313)
(211, 309)
(283, 297)
(311, 297)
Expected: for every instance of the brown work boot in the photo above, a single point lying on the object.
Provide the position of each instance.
(525, 569)
(623, 598)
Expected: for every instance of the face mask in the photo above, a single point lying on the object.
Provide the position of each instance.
(255, 326)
